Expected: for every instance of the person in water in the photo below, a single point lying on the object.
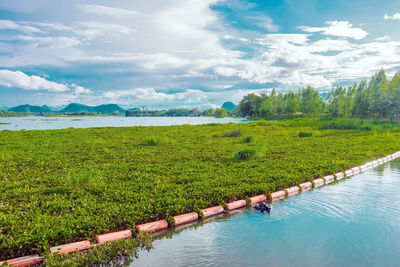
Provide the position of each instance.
(263, 207)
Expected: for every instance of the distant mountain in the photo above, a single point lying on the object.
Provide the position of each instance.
(4, 108)
(31, 109)
(102, 109)
(228, 106)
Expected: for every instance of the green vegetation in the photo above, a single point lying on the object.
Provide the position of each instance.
(248, 139)
(245, 154)
(378, 99)
(305, 134)
(179, 112)
(61, 186)
(220, 113)
(234, 133)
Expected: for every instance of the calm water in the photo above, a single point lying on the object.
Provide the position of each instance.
(45, 123)
(355, 222)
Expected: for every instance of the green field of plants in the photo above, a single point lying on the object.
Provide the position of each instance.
(60, 186)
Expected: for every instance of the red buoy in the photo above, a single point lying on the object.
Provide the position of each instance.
(23, 261)
(212, 211)
(111, 237)
(237, 204)
(152, 226)
(185, 218)
(72, 247)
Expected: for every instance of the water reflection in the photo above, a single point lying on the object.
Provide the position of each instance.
(355, 222)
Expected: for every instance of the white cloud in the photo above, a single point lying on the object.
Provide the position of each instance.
(81, 90)
(395, 16)
(11, 25)
(111, 11)
(51, 42)
(21, 80)
(92, 29)
(383, 38)
(337, 28)
(279, 39)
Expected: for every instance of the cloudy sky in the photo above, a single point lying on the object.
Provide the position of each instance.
(188, 53)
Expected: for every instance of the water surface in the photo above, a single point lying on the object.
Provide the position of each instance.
(355, 222)
(46, 123)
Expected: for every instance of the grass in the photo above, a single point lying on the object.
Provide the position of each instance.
(245, 154)
(305, 134)
(61, 186)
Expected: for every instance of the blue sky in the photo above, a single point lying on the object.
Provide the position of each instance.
(188, 53)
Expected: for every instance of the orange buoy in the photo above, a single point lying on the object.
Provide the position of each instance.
(306, 186)
(356, 170)
(23, 261)
(212, 211)
(152, 226)
(111, 237)
(318, 182)
(349, 172)
(329, 179)
(339, 175)
(258, 199)
(278, 195)
(72, 247)
(291, 191)
(185, 218)
(237, 204)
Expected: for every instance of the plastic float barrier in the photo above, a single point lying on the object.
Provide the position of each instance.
(390, 157)
(380, 161)
(339, 175)
(385, 159)
(185, 218)
(278, 195)
(212, 211)
(72, 247)
(356, 170)
(306, 186)
(318, 182)
(375, 163)
(291, 191)
(237, 204)
(23, 261)
(349, 172)
(152, 226)
(111, 237)
(329, 179)
(258, 199)
(368, 165)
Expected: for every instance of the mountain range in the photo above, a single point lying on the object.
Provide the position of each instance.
(71, 108)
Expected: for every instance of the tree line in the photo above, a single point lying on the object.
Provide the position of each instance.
(179, 112)
(377, 99)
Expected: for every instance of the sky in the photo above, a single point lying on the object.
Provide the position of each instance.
(188, 53)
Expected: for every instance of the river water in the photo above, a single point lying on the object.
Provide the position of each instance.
(355, 222)
(46, 123)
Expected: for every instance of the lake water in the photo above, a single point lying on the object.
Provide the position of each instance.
(355, 222)
(45, 123)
